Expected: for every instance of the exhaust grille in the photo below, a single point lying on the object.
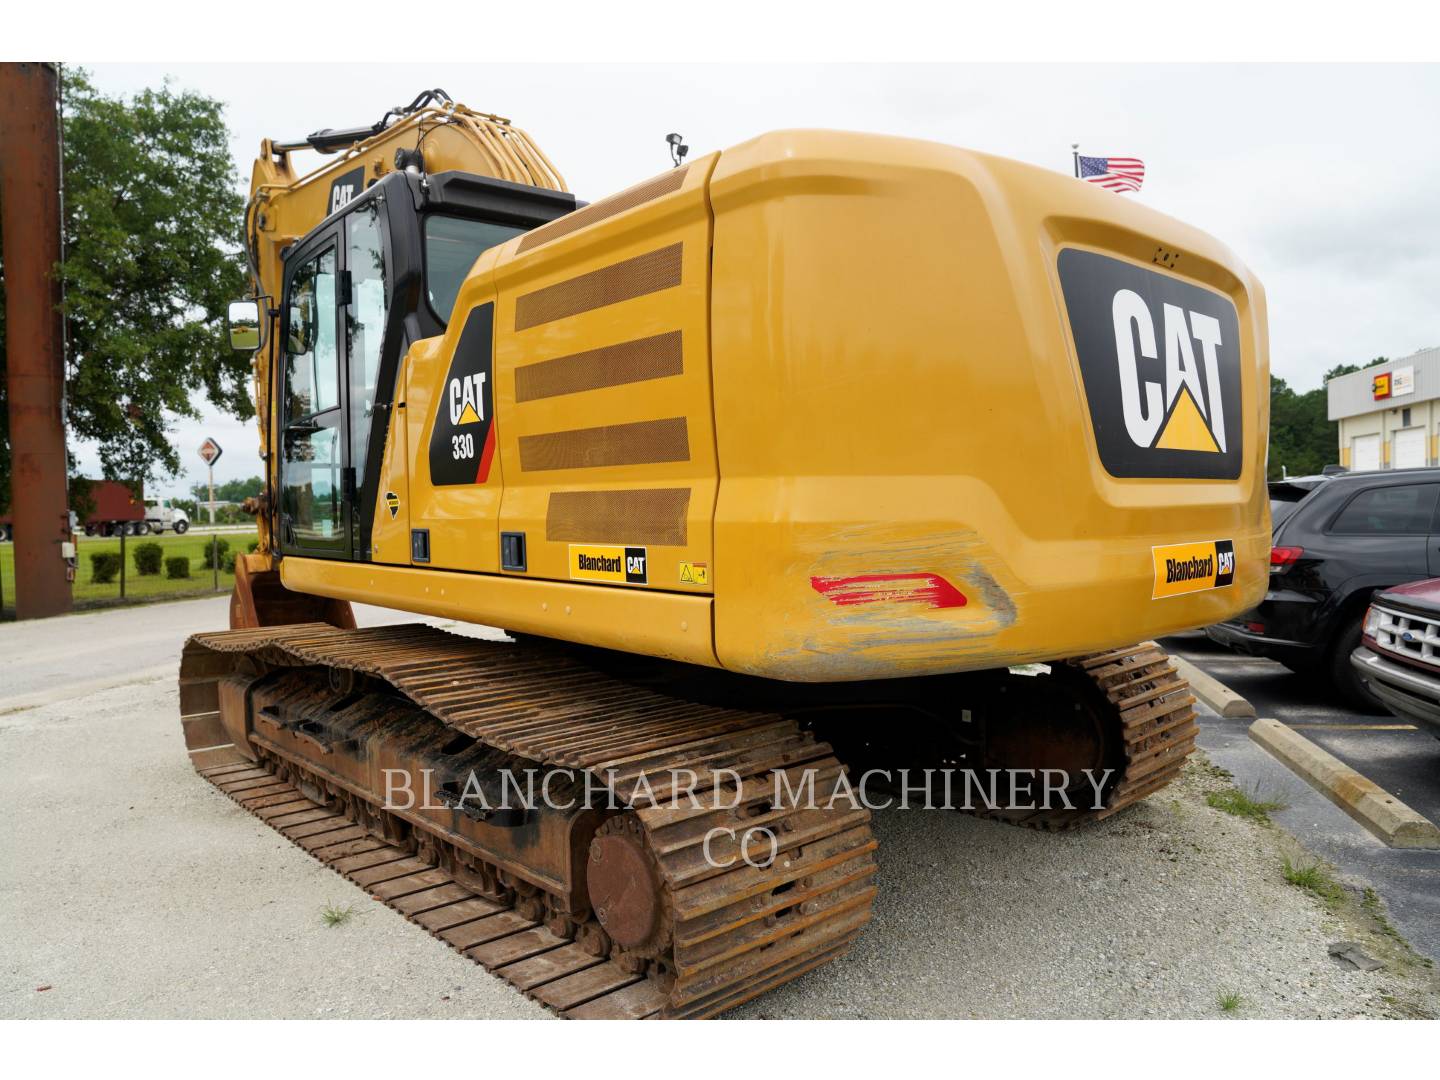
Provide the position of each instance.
(648, 273)
(614, 365)
(645, 443)
(643, 516)
(618, 203)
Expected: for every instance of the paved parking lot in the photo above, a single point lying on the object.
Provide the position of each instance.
(130, 888)
(1393, 753)
(1403, 759)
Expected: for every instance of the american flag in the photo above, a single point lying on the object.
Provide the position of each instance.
(1115, 173)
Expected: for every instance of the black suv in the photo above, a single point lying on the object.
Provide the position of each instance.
(1350, 537)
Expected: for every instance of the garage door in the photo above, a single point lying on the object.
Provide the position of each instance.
(1365, 453)
(1409, 449)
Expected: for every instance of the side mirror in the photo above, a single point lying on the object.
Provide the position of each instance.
(243, 323)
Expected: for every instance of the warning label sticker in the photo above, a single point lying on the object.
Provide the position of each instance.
(694, 573)
(607, 562)
(1195, 567)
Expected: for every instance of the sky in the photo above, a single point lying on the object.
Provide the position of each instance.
(1323, 179)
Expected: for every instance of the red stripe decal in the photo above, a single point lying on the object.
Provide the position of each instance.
(932, 590)
(487, 452)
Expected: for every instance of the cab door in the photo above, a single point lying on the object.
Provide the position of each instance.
(371, 346)
(316, 509)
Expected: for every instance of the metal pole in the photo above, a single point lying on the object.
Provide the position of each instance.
(1075, 156)
(215, 557)
(34, 354)
(123, 527)
(211, 470)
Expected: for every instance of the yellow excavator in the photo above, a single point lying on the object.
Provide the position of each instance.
(826, 447)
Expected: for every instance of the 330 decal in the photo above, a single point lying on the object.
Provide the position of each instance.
(462, 444)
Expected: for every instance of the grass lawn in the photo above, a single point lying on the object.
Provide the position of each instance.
(88, 592)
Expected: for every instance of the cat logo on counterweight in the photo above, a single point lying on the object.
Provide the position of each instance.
(1160, 359)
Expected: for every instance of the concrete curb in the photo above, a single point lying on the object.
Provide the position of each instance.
(1365, 801)
(1213, 692)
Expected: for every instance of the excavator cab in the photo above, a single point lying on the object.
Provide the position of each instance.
(379, 273)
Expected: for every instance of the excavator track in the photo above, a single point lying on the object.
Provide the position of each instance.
(729, 933)
(1151, 713)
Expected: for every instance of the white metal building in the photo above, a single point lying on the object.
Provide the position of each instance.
(1389, 414)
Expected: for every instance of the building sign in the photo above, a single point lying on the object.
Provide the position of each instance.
(1395, 383)
(210, 451)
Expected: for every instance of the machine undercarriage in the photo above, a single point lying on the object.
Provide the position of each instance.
(624, 843)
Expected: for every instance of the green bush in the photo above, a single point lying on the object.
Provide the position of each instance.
(227, 563)
(147, 558)
(104, 565)
(177, 566)
(253, 546)
(215, 548)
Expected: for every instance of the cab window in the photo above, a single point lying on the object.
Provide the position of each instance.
(364, 324)
(452, 244)
(312, 362)
(311, 494)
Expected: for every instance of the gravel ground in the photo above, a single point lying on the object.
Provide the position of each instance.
(130, 888)
(1152, 914)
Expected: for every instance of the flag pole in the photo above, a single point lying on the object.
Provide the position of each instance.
(1075, 154)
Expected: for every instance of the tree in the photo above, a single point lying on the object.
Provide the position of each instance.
(1302, 440)
(152, 220)
(231, 490)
